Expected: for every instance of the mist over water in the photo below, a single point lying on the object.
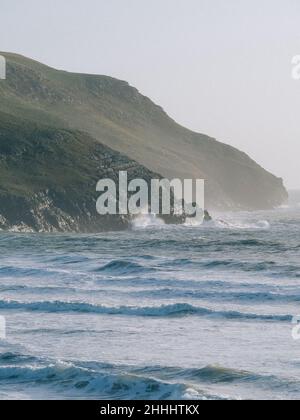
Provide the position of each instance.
(157, 312)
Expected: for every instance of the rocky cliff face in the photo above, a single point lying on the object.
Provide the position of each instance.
(35, 99)
(48, 179)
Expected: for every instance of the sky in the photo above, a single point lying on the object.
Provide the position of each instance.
(223, 68)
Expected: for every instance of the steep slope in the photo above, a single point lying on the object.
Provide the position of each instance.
(118, 116)
(48, 178)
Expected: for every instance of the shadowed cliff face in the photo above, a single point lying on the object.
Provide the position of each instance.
(118, 116)
(48, 178)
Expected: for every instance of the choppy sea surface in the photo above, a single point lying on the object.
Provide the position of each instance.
(157, 312)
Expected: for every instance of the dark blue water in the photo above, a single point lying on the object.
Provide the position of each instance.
(156, 312)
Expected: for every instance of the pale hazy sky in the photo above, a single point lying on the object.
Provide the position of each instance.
(220, 67)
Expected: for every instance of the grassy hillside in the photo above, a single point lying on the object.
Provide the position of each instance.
(118, 116)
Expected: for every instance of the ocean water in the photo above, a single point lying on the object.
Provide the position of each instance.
(157, 312)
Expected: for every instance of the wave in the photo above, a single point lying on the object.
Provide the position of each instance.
(147, 221)
(15, 358)
(234, 225)
(14, 271)
(152, 221)
(121, 267)
(244, 265)
(271, 268)
(174, 310)
(37, 289)
(21, 271)
(230, 225)
(228, 296)
(98, 381)
(249, 243)
(212, 374)
(174, 290)
(68, 259)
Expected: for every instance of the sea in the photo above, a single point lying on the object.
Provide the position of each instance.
(201, 312)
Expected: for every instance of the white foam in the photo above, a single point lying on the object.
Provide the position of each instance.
(230, 224)
(147, 221)
(261, 224)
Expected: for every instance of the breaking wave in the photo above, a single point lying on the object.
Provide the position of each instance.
(178, 309)
(95, 380)
(120, 267)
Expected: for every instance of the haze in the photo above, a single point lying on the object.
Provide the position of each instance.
(219, 67)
